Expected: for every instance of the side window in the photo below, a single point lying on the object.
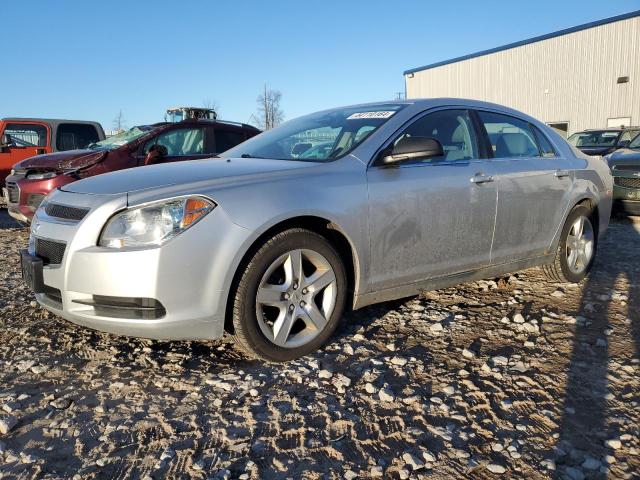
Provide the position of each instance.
(226, 139)
(452, 128)
(26, 135)
(545, 145)
(510, 137)
(628, 135)
(181, 141)
(71, 136)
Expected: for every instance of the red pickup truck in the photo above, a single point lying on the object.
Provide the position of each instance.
(22, 138)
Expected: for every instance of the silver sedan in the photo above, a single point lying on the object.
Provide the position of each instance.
(334, 210)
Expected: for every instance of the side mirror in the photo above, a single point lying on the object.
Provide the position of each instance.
(412, 148)
(6, 140)
(156, 153)
(300, 148)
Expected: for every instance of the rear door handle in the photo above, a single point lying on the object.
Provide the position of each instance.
(479, 178)
(561, 173)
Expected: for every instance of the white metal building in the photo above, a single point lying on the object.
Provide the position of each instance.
(582, 77)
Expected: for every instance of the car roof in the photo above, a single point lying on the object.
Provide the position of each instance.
(613, 129)
(53, 121)
(222, 123)
(425, 103)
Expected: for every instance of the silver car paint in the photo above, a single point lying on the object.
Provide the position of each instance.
(402, 238)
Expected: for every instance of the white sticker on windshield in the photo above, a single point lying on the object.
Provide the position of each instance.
(378, 114)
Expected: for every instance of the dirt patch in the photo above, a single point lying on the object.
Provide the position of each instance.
(515, 377)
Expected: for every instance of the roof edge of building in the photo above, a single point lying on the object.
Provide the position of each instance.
(559, 33)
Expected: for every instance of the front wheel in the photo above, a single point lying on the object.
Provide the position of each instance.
(577, 248)
(290, 297)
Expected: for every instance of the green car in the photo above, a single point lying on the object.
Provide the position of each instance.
(625, 168)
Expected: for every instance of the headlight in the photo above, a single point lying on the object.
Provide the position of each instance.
(41, 175)
(155, 223)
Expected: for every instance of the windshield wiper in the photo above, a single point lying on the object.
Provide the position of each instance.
(247, 155)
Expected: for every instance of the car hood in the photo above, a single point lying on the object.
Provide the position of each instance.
(219, 170)
(68, 160)
(624, 155)
(594, 151)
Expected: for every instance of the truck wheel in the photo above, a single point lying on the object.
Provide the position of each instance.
(290, 297)
(577, 249)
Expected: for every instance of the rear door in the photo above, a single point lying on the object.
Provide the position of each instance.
(534, 185)
(26, 139)
(433, 217)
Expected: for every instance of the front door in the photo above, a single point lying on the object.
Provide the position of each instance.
(184, 143)
(24, 140)
(534, 187)
(433, 217)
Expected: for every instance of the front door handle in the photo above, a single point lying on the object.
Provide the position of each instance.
(561, 173)
(479, 178)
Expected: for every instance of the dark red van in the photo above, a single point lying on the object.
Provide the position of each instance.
(32, 179)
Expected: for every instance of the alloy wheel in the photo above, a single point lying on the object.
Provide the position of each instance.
(295, 298)
(580, 245)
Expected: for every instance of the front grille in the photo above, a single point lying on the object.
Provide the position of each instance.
(125, 307)
(49, 251)
(14, 193)
(627, 182)
(53, 294)
(65, 211)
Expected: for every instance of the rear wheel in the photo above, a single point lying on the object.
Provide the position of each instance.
(577, 248)
(290, 297)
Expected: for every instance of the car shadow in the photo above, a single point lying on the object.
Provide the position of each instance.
(606, 316)
(6, 221)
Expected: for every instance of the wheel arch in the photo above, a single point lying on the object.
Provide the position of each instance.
(320, 225)
(588, 201)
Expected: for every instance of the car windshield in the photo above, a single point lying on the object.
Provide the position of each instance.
(635, 143)
(594, 139)
(120, 139)
(318, 137)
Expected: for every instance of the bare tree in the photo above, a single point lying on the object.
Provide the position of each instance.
(269, 114)
(119, 123)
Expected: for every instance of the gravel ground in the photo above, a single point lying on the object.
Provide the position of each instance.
(513, 378)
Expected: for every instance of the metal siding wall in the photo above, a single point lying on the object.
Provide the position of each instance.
(579, 70)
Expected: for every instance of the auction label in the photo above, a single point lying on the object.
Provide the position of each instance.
(379, 114)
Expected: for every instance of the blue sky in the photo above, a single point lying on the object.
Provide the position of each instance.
(90, 59)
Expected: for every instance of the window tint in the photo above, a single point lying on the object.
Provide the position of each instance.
(226, 139)
(71, 136)
(510, 137)
(181, 141)
(545, 145)
(25, 135)
(452, 128)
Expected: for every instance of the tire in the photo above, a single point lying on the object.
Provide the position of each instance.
(564, 269)
(282, 323)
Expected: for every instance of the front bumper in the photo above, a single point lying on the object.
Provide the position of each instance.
(626, 194)
(23, 196)
(630, 207)
(190, 276)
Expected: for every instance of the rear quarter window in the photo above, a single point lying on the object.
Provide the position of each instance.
(71, 136)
